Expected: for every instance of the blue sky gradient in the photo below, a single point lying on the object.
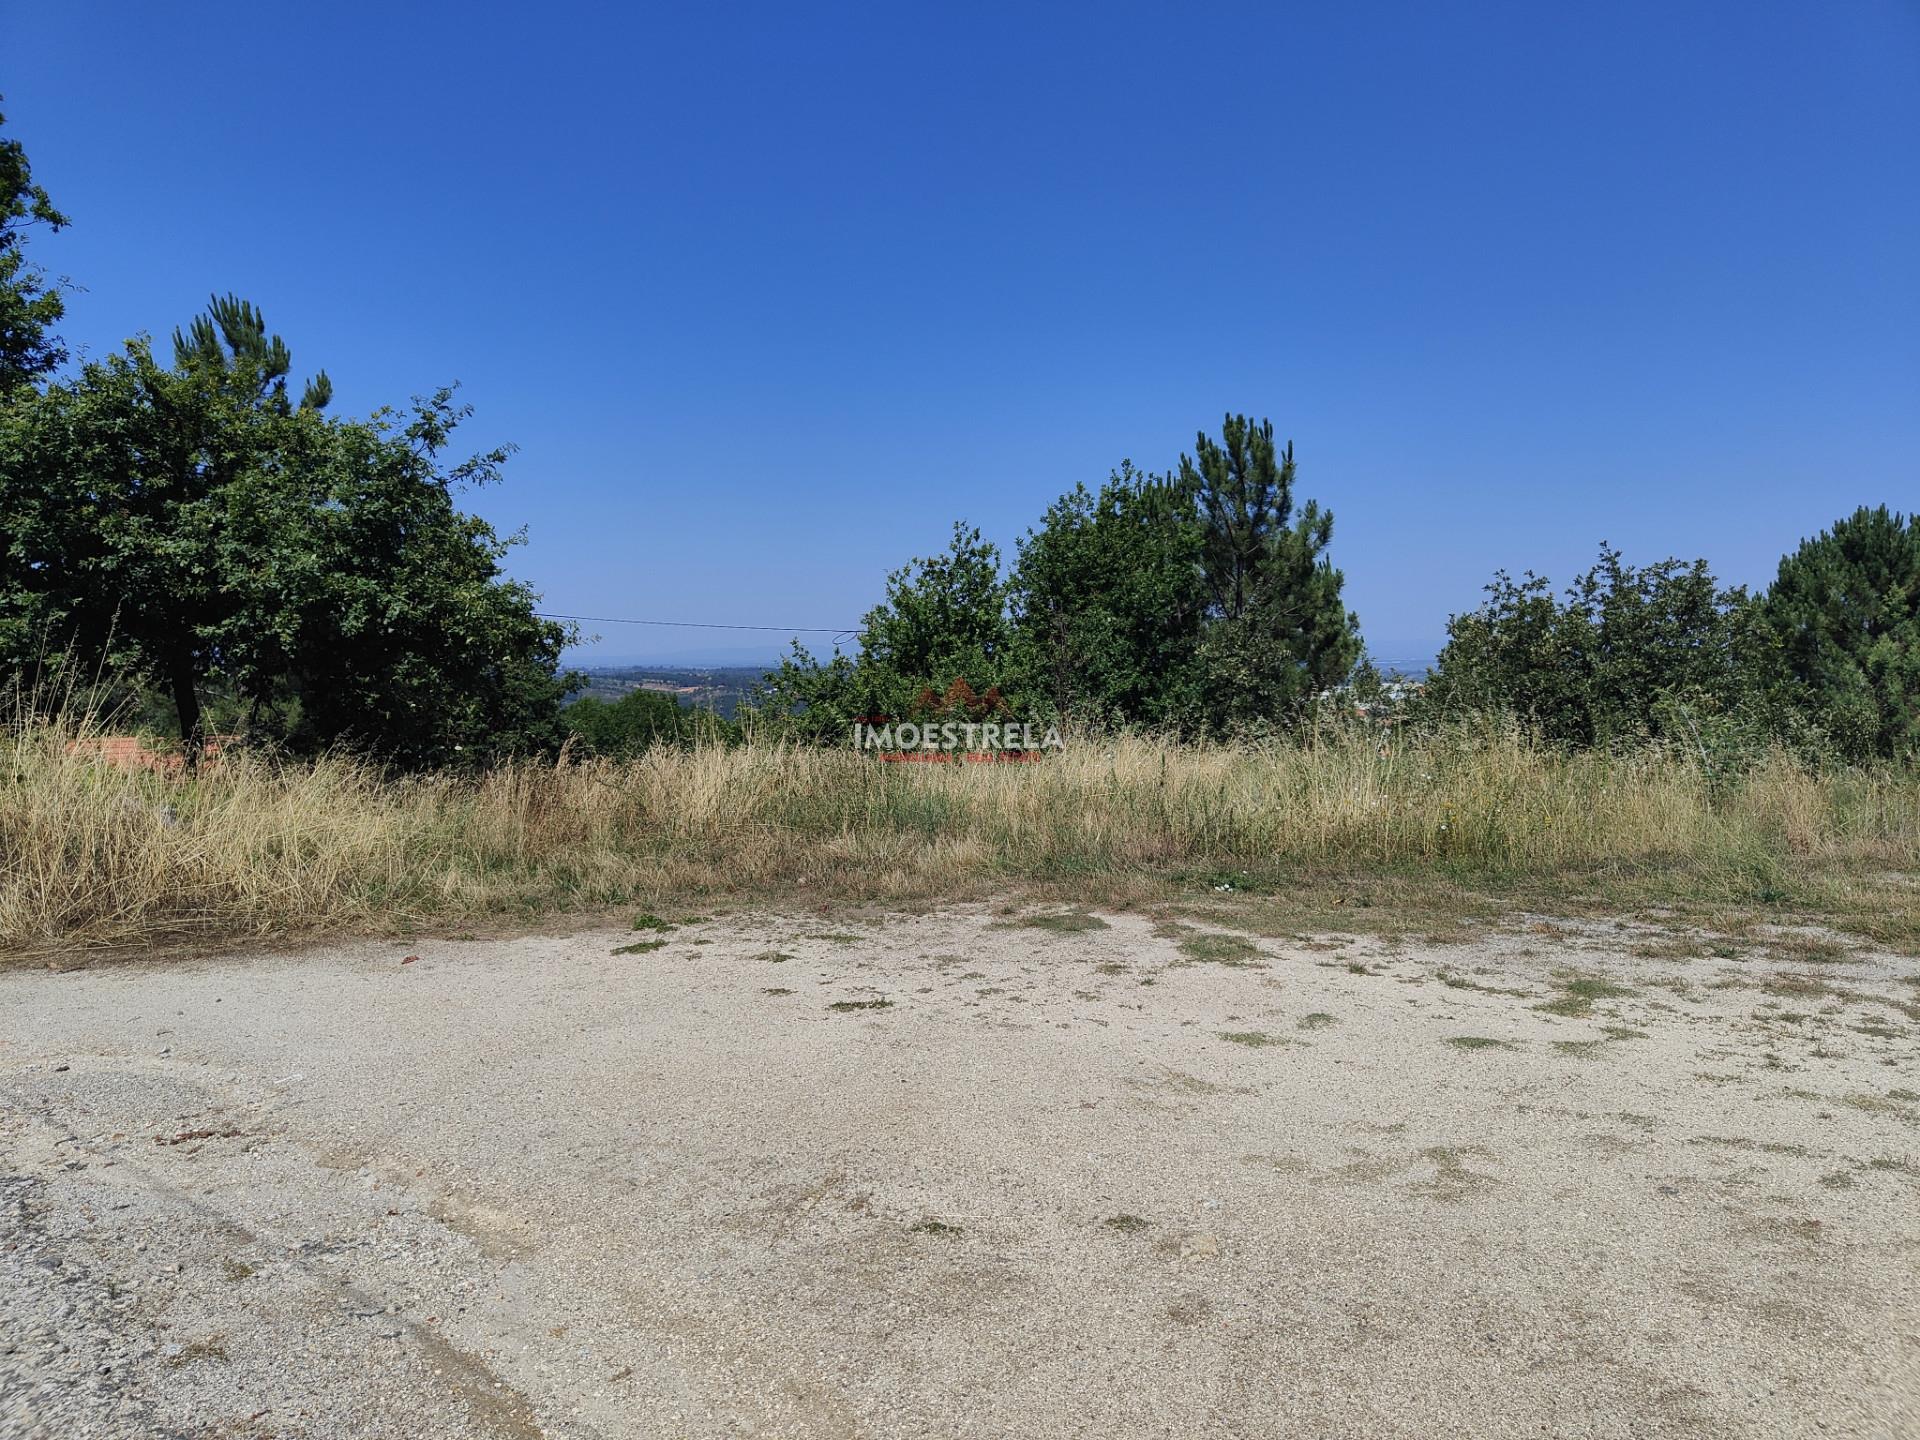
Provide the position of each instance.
(770, 295)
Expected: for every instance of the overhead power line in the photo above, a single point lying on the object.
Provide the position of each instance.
(703, 624)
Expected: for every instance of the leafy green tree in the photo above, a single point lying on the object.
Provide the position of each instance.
(1279, 632)
(191, 526)
(639, 720)
(1845, 611)
(1199, 600)
(1628, 653)
(944, 619)
(1515, 653)
(29, 305)
(109, 502)
(1109, 599)
(373, 612)
(812, 698)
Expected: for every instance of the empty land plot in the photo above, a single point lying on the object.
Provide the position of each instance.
(959, 1175)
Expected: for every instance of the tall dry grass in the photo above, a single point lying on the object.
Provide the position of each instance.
(91, 855)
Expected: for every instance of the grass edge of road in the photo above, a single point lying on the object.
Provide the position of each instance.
(1427, 837)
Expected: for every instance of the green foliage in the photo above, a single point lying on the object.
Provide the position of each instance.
(29, 305)
(380, 610)
(190, 527)
(1108, 601)
(1629, 653)
(944, 620)
(1278, 632)
(639, 720)
(189, 530)
(1198, 600)
(110, 510)
(229, 347)
(814, 699)
(1845, 613)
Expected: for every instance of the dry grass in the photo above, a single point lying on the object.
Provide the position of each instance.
(92, 856)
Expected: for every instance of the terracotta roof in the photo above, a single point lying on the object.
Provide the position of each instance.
(130, 752)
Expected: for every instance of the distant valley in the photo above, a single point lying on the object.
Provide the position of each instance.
(720, 688)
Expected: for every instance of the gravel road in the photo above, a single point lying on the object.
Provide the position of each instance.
(954, 1174)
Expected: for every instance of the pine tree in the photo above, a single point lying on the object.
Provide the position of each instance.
(229, 346)
(1279, 631)
(1845, 609)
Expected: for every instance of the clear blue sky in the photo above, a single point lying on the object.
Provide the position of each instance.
(770, 295)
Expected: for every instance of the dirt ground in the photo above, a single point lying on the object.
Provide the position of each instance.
(956, 1174)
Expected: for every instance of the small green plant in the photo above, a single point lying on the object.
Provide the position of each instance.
(1071, 922)
(1578, 992)
(1479, 1042)
(1318, 1020)
(834, 937)
(938, 1228)
(647, 920)
(846, 1005)
(1126, 1224)
(1234, 950)
(1252, 1039)
(639, 947)
(773, 957)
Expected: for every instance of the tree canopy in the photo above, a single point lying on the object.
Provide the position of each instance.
(944, 619)
(1109, 603)
(1201, 599)
(1627, 652)
(1845, 611)
(30, 306)
(1279, 631)
(640, 720)
(190, 526)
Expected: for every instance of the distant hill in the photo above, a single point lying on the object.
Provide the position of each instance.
(720, 688)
